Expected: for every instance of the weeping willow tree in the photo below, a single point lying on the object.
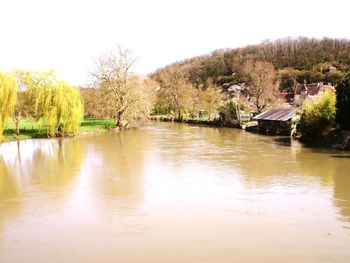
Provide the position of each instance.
(8, 97)
(69, 108)
(57, 104)
(25, 97)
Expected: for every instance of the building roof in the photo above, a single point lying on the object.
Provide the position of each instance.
(310, 89)
(276, 115)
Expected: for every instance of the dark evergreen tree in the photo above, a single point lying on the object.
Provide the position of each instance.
(343, 103)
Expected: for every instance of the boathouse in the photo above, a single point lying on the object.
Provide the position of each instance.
(278, 121)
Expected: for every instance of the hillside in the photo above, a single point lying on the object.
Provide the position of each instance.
(295, 60)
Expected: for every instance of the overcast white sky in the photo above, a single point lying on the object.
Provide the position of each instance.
(67, 35)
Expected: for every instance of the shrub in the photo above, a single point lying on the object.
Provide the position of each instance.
(318, 116)
(228, 112)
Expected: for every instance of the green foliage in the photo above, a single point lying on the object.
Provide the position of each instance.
(310, 76)
(288, 79)
(8, 96)
(228, 112)
(343, 103)
(334, 77)
(27, 127)
(160, 110)
(91, 124)
(317, 116)
(30, 128)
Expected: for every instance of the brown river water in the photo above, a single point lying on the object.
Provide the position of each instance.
(173, 193)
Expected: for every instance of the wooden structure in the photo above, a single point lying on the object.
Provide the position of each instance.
(278, 121)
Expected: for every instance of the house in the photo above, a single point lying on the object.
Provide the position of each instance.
(303, 91)
(277, 121)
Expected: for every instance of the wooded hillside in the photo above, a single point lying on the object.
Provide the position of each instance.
(296, 60)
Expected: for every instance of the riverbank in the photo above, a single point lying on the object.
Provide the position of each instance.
(33, 129)
(339, 140)
(336, 139)
(202, 121)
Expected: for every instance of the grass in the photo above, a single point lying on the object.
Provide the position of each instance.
(34, 129)
(96, 124)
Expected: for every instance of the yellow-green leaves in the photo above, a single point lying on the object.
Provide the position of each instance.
(8, 96)
(318, 115)
(59, 105)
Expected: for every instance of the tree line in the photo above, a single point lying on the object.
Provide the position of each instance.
(117, 93)
(180, 98)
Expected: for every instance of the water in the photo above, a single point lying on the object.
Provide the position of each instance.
(173, 193)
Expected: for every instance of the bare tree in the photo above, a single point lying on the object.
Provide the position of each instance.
(260, 76)
(121, 92)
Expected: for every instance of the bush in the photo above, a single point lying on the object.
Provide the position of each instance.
(317, 116)
(310, 76)
(228, 112)
(334, 77)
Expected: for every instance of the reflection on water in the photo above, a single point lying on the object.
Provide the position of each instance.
(173, 193)
(9, 194)
(47, 164)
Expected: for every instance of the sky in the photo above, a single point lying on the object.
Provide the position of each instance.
(68, 36)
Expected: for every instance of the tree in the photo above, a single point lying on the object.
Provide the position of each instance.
(57, 104)
(19, 110)
(60, 107)
(176, 92)
(288, 79)
(260, 76)
(317, 116)
(210, 98)
(122, 91)
(25, 100)
(343, 103)
(229, 112)
(92, 102)
(334, 77)
(8, 96)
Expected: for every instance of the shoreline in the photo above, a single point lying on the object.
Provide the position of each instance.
(44, 136)
(340, 140)
(212, 123)
(31, 130)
